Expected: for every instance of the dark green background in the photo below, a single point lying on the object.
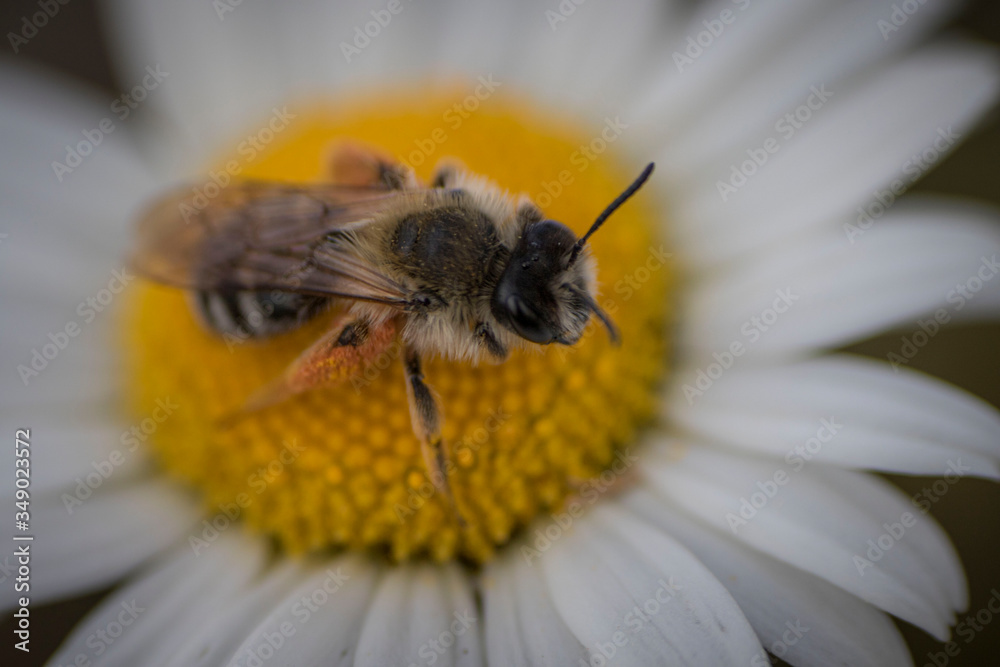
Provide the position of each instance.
(74, 42)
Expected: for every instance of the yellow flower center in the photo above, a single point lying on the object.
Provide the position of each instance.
(340, 467)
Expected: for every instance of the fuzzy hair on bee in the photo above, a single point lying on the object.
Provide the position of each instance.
(450, 249)
(459, 269)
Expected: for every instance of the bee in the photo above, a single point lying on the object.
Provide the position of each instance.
(458, 268)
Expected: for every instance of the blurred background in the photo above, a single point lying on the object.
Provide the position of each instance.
(75, 44)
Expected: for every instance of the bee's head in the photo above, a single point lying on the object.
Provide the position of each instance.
(534, 298)
(544, 294)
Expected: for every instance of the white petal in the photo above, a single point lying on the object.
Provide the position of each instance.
(593, 60)
(798, 617)
(822, 291)
(612, 573)
(522, 626)
(240, 568)
(683, 90)
(42, 116)
(65, 239)
(49, 275)
(748, 112)
(318, 621)
(156, 613)
(422, 613)
(860, 141)
(228, 71)
(71, 384)
(77, 452)
(221, 633)
(847, 411)
(485, 39)
(106, 536)
(220, 75)
(63, 362)
(887, 504)
(823, 521)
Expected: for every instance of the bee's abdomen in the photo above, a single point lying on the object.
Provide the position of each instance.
(255, 314)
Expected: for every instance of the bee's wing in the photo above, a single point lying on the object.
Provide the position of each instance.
(264, 236)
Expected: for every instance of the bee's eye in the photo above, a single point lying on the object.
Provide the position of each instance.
(523, 300)
(526, 321)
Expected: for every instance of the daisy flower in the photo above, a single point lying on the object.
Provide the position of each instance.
(704, 494)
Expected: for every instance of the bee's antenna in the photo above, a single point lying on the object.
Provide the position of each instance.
(612, 207)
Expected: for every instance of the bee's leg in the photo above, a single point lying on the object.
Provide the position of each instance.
(425, 417)
(336, 356)
(488, 340)
(356, 164)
